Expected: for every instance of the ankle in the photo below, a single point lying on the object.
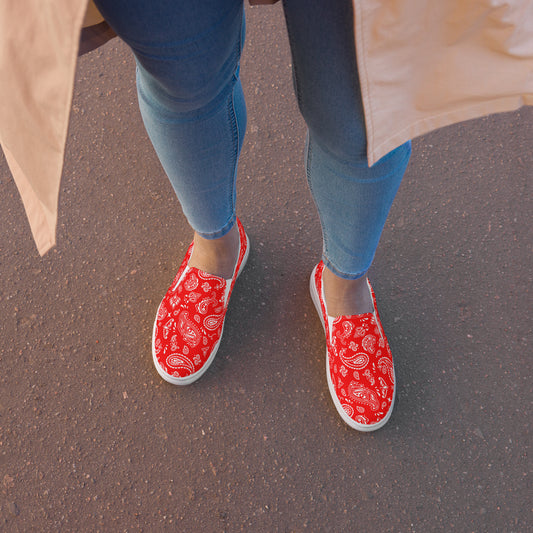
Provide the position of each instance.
(346, 297)
(216, 256)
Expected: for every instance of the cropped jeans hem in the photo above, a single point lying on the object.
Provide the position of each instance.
(221, 232)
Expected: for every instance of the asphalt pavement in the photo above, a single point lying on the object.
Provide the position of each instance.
(92, 439)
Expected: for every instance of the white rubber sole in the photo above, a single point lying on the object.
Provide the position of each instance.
(355, 425)
(187, 380)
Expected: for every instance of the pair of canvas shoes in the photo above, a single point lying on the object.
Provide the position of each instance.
(190, 321)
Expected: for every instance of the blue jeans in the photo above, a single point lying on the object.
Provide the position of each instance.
(192, 104)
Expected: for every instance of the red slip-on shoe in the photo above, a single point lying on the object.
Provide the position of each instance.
(190, 319)
(359, 363)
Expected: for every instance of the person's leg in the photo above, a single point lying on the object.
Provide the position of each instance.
(353, 199)
(191, 100)
(353, 202)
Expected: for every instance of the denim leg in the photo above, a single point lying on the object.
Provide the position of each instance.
(190, 96)
(353, 199)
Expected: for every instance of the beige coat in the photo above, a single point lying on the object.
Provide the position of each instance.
(422, 65)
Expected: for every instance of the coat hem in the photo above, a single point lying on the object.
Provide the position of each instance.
(432, 123)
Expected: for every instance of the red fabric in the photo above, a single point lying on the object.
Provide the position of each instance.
(191, 317)
(360, 364)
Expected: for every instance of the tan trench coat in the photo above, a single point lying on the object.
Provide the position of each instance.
(422, 65)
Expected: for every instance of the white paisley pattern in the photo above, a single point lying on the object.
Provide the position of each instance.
(366, 392)
(191, 323)
(356, 361)
(348, 409)
(176, 361)
(191, 317)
